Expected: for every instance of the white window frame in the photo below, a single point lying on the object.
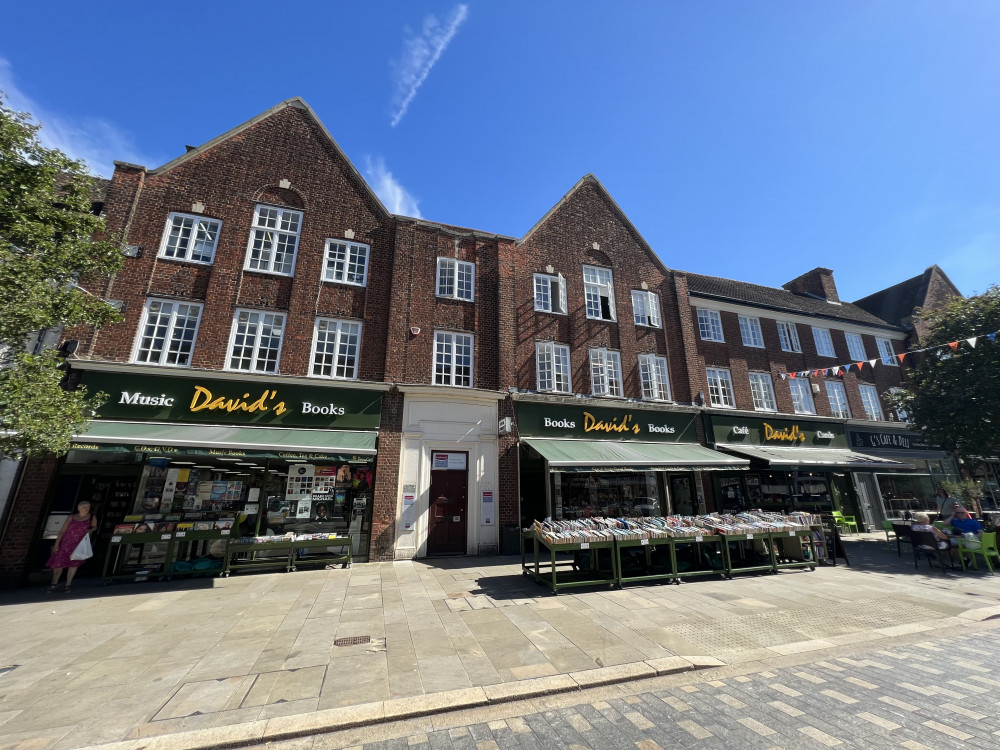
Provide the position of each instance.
(824, 342)
(254, 365)
(886, 353)
(277, 232)
(169, 336)
(606, 373)
(802, 398)
(598, 285)
(762, 391)
(646, 309)
(837, 396)
(197, 228)
(720, 387)
(447, 343)
(545, 300)
(855, 347)
(654, 376)
(340, 256)
(553, 358)
(750, 332)
(710, 325)
(452, 274)
(788, 336)
(873, 407)
(341, 330)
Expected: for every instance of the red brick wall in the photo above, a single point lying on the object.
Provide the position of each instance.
(24, 520)
(383, 533)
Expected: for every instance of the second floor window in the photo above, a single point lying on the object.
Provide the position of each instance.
(346, 262)
(167, 334)
(855, 347)
(598, 289)
(646, 308)
(453, 359)
(788, 336)
(550, 293)
(335, 348)
(869, 397)
(762, 390)
(274, 240)
(720, 387)
(710, 325)
(654, 377)
(456, 279)
(256, 341)
(885, 351)
(824, 344)
(192, 238)
(802, 399)
(552, 367)
(838, 399)
(605, 373)
(750, 331)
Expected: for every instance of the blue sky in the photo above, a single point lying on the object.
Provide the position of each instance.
(752, 140)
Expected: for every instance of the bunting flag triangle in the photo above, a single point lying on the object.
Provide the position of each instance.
(860, 365)
(992, 336)
(836, 371)
(972, 341)
(784, 375)
(826, 371)
(900, 356)
(791, 375)
(871, 362)
(953, 345)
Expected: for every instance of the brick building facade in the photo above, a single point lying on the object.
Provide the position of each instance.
(271, 243)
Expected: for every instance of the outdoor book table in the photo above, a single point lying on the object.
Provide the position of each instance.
(703, 548)
(547, 572)
(190, 544)
(117, 557)
(745, 563)
(656, 559)
(282, 554)
(785, 545)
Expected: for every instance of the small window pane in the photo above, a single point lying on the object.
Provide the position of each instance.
(710, 325)
(750, 332)
(762, 391)
(720, 387)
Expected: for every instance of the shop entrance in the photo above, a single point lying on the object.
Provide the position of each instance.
(448, 504)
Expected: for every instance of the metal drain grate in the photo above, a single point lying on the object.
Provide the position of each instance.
(354, 640)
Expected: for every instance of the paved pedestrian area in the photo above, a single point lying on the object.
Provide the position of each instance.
(131, 661)
(941, 693)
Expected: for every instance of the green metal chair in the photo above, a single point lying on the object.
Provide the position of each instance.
(988, 549)
(846, 522)
(887, 528)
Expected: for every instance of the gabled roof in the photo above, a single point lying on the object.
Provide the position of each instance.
(898, 301)
(296, 103)
(756, 295)
(590, 179)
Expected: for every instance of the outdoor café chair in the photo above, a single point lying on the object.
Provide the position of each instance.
(847, 522)
(987, 548)
(926, 544)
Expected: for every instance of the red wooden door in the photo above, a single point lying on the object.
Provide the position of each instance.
(449, 509)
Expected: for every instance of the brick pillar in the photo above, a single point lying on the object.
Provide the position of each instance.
(24, 519)
(383, 534)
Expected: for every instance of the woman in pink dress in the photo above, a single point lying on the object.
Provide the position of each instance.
(76, 528)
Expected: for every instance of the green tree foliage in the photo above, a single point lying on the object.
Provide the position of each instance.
(953, 395)
(46, 245)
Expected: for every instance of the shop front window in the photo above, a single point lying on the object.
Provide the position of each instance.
(811, 493)
(614, 495)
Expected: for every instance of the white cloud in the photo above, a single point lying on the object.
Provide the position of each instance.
(96, 141)
(395, 197)
(420, 53)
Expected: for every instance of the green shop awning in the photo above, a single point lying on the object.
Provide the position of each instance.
(212, 440)
(608, 455)
(823, 458)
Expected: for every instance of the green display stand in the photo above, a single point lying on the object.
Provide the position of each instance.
(649, 547)
(546, 570)
(696, 546)
(744, 563)
(119, 551)
(284, 554)
(786, 545)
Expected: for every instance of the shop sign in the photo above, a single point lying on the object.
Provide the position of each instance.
(902, 441)
(173, 450)
(448, 461)
(602, 423)
(489, 517)
(777, 432)
(241, 402)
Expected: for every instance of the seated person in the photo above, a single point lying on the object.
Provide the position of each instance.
(922, 522)
(963, 523)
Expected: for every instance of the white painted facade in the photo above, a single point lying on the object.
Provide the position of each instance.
(446, 419)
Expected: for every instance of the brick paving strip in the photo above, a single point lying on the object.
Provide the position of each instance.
(241, 660)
